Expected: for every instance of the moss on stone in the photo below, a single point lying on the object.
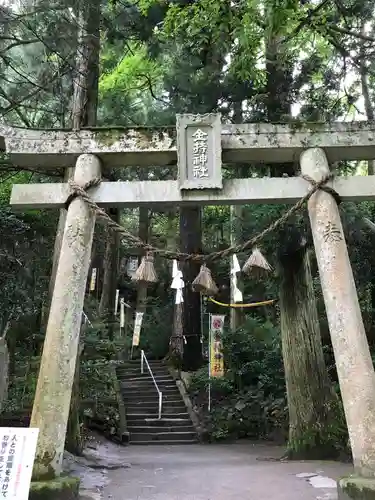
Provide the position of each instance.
(109, 137)
(356, 488)
(143, 136)
(61, 488)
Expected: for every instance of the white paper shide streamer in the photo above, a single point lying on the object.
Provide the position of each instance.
(122, 313)
(177, 283)
(116, 301)
(237, 294)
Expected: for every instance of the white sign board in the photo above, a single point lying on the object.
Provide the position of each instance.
(17, 454)
(137, 328)
(122, 313)
(132, 266)
(93, 280)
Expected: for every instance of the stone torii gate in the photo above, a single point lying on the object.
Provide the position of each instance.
(198, 144)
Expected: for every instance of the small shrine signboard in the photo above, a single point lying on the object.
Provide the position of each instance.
(216, 363)
(199, 151)
(17, 453)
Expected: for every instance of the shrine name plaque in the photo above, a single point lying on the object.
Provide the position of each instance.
(199, 151)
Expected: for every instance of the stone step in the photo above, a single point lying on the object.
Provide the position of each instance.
(142, 403)
(123, 370)
(137, 362)
(170, 403)
(153, 429)
(125, 373)
(149, 390)
(148, 383)
(142, 378)
(163, 443)
(134, 397)
(168, 395)
(144, 391)
(131, 417)
(164, 422)
(143, 418)
(161, 436)
(134, 378)
(138, 377)
(166, 410)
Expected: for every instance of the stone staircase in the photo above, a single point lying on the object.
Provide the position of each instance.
(142, 402)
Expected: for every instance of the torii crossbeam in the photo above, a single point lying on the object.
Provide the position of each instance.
(150, 146)
(200, 144)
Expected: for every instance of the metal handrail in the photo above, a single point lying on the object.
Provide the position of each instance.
(144, 359)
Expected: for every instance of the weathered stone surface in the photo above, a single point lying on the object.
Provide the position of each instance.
(157, 146)
(62, 488)
(352, 355)
(163, 193)
(199, 151)
(52, 397)
(356, 488)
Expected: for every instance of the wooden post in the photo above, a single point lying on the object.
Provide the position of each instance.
(353, 360)
(53, 393)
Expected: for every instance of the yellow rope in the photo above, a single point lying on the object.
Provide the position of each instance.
(253, 304)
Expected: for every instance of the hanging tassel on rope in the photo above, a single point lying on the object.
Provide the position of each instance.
(146, 273)
(204, 283)
(256, 265)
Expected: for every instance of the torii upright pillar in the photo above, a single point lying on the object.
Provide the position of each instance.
(53, 393)
(352, 355)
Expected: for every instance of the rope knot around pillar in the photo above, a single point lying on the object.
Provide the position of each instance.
(76, 190)
(323, 187)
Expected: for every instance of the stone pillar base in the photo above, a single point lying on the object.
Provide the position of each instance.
(356, 488)
(61, 488)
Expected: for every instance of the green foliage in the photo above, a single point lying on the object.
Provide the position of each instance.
(127, 83)
(130, 74)
(250, 400)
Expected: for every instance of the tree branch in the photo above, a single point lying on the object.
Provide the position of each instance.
(344, 31)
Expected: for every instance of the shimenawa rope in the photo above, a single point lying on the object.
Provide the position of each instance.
(81, 191)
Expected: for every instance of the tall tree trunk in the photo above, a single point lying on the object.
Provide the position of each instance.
(365, 87)
(313, 406)
(306, 376)
(371, 163)
(85, 100)
(176, 345)
(236, 314)
(110, 264)
(143, 234)
(191, 242)
(236, 215)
